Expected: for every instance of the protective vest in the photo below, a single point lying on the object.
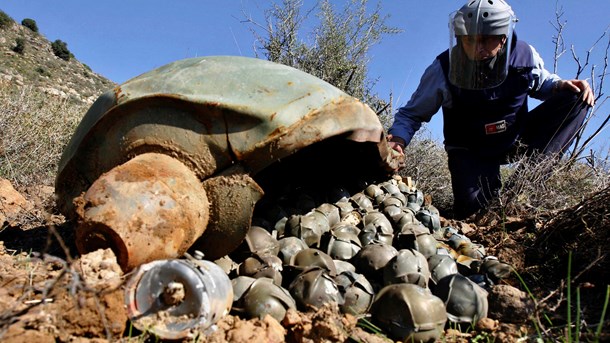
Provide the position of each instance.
(487, 121)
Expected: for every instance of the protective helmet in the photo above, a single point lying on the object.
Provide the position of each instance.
(440, 266)
(392, 200)
(393, 212)
(480, 24)
(413, 206)
(416, 236)
(380, 198)
(403, 187)
(361, 202)
(341, 245)
(290, 246)
(372, 191)
(376, 228)
(416, 197)
(464, 246)
(465, 301)
(314, 257)
(346, 227)
(456, 240)
(494, 270)
(407, 216)
(483, 17)
(261, 242)
(408, 266)
(429, 217)
(409, 313)
(314, 287)
(308, 227)
(268, 266)
(476, 251)
(357, 292)
(266, 297)
(390, 187)
(240, 285)
(371, 259)
(331, 212)
(344, 266)
(348, 213)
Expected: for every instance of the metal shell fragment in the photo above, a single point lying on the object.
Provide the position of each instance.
(229, 121)
(171, 298)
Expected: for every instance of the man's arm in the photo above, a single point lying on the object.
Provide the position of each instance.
(431, 94)
(546, 83)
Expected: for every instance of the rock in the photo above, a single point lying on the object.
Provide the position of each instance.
(509, 304)
(487, 324)
(234, 329)
(100, 269)
(12, 203)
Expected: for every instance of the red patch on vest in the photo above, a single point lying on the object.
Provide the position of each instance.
(497, 127)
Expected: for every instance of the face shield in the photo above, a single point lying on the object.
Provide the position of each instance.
(480, 40)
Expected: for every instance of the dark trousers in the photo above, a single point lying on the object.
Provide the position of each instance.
(550, 128)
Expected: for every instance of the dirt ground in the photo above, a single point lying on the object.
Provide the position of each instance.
(50, 294)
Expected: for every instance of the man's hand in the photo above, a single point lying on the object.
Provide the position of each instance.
(397, 154)
(578, 86)
(396, 143)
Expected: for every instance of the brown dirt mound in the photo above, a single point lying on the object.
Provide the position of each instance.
(582, 231)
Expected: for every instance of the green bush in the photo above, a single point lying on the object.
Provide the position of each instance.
(60, 49)
(19, 45)
(30, 24)
(5, 19)
(42, 71)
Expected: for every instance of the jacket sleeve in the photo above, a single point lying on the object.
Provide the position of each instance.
(544, 81)
(432, 93)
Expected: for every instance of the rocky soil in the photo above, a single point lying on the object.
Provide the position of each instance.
(50, 293)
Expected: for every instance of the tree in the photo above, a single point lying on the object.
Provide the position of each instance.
(30, 24)
(597, 79)
(338, 45)
(60, 49)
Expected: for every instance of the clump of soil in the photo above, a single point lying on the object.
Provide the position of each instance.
(45, 298)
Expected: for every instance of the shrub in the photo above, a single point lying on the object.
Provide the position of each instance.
(5, 19)
(30, 24)
(34, 129)
(60, 49)
(19, 45)
(426, 163)
(42, 71)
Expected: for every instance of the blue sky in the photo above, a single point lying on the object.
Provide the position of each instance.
(122, 39)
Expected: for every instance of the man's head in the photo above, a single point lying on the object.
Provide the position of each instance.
(481, 33)
(482, 47)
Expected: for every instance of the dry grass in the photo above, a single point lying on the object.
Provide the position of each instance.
(426, 163)
(533, 186)
(34, 129)
(540, 185)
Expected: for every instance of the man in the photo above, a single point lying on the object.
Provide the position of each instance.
(482, 83)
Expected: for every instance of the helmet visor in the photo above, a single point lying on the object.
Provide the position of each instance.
(479, 50)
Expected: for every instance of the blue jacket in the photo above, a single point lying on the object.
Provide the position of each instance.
(434, 91)
(486, 121)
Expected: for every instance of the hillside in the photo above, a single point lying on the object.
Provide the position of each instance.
(37, 66)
